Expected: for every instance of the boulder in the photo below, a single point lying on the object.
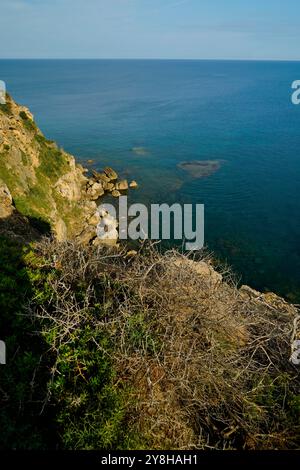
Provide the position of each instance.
(95, 191)
(133, 185)
(111, 174)
(87, 235)
(108, 186)
(95, 219)
(115, 193)
(100, 177)
(122, 185)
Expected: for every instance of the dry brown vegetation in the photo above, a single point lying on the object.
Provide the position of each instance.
(207, 364)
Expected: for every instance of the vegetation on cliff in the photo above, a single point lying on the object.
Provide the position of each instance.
(155, 351)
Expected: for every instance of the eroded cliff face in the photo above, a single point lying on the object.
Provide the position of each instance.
(41, 180)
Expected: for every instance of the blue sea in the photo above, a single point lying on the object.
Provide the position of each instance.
(145, 117)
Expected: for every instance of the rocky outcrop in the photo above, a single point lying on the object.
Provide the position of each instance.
(94, 190)
(108, 180)
(202, 269)
(6, 201)
(44, 182)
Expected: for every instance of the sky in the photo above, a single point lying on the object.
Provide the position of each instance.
(163, 29)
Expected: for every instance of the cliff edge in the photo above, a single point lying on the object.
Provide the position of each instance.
(41, 180)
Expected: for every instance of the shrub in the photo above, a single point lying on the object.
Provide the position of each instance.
(144, 352)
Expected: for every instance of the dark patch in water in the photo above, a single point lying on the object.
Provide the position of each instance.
(200, 168)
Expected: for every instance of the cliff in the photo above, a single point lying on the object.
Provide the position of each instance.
(41, 180)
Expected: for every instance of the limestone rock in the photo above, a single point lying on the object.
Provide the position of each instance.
(6, 201)
(116, 193)
(60, 230)
(95, 191)
(95, 219)
(87, 235)
(100, 177)
(108, 186)
(203, 269)
(68, 185)
(111, 174)
(133, 184)
(122, 185)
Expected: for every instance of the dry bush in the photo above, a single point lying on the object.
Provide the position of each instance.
(208, 364)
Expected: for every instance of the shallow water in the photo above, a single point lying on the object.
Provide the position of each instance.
(146, 117)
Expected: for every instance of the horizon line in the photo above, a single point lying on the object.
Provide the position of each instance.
(154, 59)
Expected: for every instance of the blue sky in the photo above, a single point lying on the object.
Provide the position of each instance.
(188, 29)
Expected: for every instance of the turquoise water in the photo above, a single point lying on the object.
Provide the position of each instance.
(145, 117)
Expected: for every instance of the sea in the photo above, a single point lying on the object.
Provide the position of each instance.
(145, 118)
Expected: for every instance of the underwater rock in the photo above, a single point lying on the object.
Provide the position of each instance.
(142, 151)
(200, 168)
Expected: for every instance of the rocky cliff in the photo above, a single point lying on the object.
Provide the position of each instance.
(41, 181)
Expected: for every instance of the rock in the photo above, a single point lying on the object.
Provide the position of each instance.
(90, 161)
(205, 270)
(250, 292)
(95, 191)
(142, 151)
(87, 235)
(133, 185)
(201, 168)
(105, 242)
(22, 162)
(116, 193)
(108, 186)
(111, 174)
(95, 219)
(60, 230)
(6, 201)
(122, 185)
(68, 186)
(101, 177)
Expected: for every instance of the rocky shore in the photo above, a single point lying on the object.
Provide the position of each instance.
(41, 181)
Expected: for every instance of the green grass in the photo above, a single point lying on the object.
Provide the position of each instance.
(28, 123)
